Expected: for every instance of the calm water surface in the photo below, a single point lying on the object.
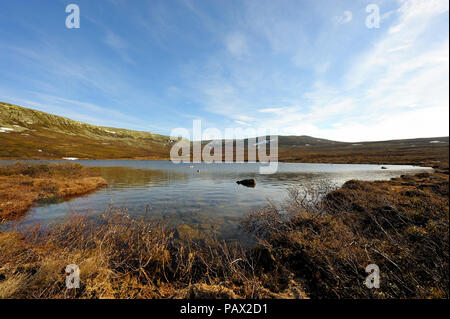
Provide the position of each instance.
(209, 200)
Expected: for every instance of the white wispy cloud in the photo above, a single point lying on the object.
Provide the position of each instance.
(236, 44)
(242, 123)
(119, 45)
(396, 88)
(114, 41)
(275, 110)
(306, 67)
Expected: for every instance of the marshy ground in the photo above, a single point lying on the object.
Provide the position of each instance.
(22, 185)
(306, 247)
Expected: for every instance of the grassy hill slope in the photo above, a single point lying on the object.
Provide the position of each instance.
(27, 133)
(421, 151)
(31, 134)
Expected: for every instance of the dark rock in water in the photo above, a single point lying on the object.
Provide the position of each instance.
(383, 167)
(247, 182)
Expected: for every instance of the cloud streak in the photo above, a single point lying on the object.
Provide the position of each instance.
(301, 67)
(397, 87)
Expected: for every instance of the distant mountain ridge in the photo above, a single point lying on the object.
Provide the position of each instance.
(29, 134)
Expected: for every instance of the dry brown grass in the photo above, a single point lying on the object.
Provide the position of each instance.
(317, 244)
(423, 154)
(121, 257)
(22, 185)
(401, 225)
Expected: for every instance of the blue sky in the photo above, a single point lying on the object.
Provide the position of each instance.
(300, 67)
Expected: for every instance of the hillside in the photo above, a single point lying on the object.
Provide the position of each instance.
(27, 133)
(421, 151)
(31, 134)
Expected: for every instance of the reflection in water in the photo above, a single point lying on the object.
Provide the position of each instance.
(209, 201)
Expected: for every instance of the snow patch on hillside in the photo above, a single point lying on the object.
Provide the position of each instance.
(6, 129)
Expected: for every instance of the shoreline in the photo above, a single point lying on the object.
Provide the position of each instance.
(424, 164)
(80, 186)
(23, 186)
(389, 223)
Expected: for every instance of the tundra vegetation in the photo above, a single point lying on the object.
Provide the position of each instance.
(315, 245)
(22, 185)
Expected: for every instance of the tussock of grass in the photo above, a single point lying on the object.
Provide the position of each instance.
(21, 185)
(401, 225)
(127, 258)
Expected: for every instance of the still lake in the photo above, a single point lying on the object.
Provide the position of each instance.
(208, 200)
